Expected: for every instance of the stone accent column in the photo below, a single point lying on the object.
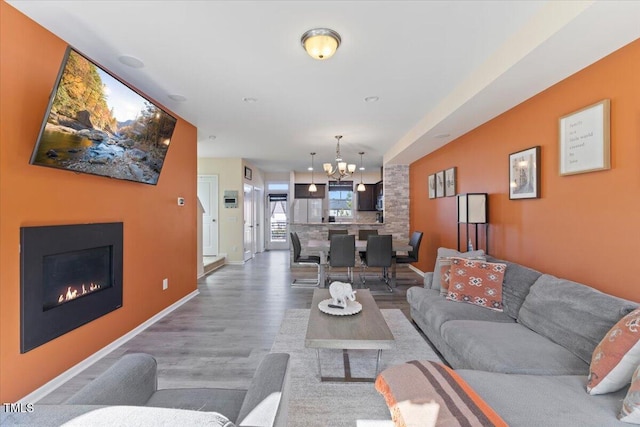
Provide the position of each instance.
(396, 201)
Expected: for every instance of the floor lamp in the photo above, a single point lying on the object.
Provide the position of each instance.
(473, 209)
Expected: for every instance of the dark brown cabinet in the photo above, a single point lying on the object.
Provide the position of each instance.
(367, 199)
(301, 191)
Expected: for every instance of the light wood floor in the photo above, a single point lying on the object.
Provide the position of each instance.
(218, 338)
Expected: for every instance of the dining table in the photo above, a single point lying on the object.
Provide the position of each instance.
(322, 247)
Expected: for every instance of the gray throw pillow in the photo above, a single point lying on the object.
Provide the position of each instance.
(447, 253)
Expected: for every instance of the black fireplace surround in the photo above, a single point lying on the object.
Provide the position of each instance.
(70, 275)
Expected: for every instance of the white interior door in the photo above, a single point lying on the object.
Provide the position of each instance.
(258, 215)
(249, 235)
(208, 195)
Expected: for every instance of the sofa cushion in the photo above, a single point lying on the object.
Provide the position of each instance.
(570, 314)
(509, 348)
(109, 416)
(476, 282)
(265, 395)
(131, 380)
(616, 356)
(515, 287)
(437, 310)
(534, 401)
(630, 412)
(224, 401)
(446, 253)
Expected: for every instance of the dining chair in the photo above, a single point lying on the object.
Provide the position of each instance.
(412, 255)
(336, 232)
(342, 253)
(378, 254)
(304, 260)
(362, 235)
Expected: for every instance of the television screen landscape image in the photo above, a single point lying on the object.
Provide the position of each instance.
(96, 124)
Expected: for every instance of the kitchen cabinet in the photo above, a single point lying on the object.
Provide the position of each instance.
(301, 191)
(367, 198)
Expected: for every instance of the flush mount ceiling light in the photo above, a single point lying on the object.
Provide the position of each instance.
(321, 43)
(250, 100)
(371, 99)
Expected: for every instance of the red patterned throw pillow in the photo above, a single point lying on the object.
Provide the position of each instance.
(616, 356)
(476, 282)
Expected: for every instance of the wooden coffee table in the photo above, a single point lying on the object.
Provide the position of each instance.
(366, 330)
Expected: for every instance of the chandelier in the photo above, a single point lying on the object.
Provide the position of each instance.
(342, 169)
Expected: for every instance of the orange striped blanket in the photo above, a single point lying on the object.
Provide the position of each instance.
(405, 387)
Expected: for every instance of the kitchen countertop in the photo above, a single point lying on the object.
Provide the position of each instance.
(338, 223)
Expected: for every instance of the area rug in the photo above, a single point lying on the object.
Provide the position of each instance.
(316, 404)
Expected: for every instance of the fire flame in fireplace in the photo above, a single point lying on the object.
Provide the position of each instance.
(73, 293)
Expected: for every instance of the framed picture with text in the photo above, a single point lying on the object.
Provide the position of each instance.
(585, 139)
(524, 174)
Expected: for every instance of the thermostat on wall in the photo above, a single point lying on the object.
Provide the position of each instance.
(230, 198)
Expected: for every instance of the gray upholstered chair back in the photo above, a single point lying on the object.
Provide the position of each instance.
(297, 247)
(336, 232)
(342, 250)
(416, 239)
(379, 251)
(364, 234)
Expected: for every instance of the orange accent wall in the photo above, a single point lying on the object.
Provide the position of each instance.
(584, 227)
(159, 236)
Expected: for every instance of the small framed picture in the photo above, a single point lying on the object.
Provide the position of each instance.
(440, 184)
(248, 174)
(450, 182)
(432, 186)
(524, 174)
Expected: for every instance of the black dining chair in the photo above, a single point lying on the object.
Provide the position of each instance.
(336, 232)
(342, 253)
(412, 255)
(363, 235)
(302, 260)
(378, 254)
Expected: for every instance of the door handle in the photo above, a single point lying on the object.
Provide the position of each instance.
(213, 220)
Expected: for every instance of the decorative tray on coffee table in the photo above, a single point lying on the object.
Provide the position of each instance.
(353, 307)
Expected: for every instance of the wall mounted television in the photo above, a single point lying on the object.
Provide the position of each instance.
(97, 124)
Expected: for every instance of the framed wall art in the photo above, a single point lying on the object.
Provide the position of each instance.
(524, 174)
(440, 184)
(248, 174)
(450, 182)
(585, 139)
(432, 186)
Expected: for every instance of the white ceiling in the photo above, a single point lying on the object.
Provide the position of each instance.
(438, 67)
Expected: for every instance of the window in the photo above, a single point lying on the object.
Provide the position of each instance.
(341, 199)
(278, 217)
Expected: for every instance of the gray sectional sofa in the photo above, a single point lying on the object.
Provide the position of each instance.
(127, 394)
(529, 362)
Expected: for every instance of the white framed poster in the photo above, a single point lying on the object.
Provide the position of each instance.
(585, 139)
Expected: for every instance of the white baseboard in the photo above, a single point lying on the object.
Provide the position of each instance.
(75, 370)
(420, 272)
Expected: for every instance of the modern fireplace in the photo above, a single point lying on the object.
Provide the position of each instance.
(70, 275)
